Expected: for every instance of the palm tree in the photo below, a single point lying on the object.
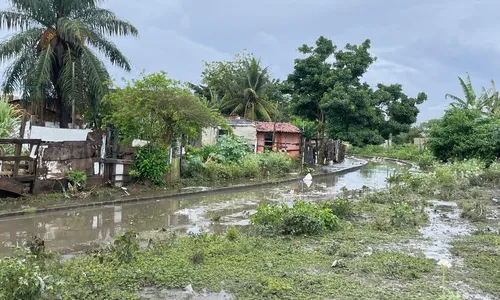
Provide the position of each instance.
(491, 98)
(52, 54)
(248, 95)
(470, 101)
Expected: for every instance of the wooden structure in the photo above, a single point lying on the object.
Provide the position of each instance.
(280, 137)
(19, 168)
(117, 159)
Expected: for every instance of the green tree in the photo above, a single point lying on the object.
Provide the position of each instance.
(158, 109)
(399, 110)
(53, 55)
(465, 133)
(491, 98)
(331, 94)
(246, 87)
(470, 100)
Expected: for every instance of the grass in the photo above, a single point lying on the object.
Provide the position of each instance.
(358, 258)
(408, 152)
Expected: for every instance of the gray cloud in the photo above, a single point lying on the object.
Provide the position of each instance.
(423, 45)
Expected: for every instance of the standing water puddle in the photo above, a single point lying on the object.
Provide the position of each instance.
(75, 230)
(444, 226)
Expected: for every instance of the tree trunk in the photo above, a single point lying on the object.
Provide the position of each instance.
(63, 113)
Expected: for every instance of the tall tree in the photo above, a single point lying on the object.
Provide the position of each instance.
(309, 82)
(157, 109)
(399, 110)
(470, 100)
(247, 87)
(491, 98)
(53, 52)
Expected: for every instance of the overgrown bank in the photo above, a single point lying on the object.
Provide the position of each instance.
(348, 248)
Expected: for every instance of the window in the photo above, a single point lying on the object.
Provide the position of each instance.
(268, 140)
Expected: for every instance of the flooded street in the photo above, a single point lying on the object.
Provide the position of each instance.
(74, 230)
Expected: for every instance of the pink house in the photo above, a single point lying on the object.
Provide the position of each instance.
(286, 137)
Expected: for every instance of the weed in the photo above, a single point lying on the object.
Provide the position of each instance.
(77, 179)
(474, 211)
(303, 218)
(198, 257)
(402, 215)
(126, 246)
(341, 207)
(232, 234)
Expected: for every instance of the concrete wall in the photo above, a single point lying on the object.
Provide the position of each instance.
(209, 136)
(57, 159)
(249, 132)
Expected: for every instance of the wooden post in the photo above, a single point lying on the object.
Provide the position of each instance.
(19, 146)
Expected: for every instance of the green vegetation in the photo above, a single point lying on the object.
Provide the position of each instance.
(232, 159)
(343, 248)
(464, 134)
(240, 86)
(408, 152)
(157, 109)
(151, 163)
(77, 180)
(51, 53)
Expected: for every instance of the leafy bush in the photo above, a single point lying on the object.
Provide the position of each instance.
(464, 134)
(151, 163)
(232, 159)
(403, 215)
(22, 279)
(9, 119)
(77, 179)
(341, 207)
(125, 246)
(303, 218)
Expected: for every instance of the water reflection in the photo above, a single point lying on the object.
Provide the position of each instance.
(75, 230)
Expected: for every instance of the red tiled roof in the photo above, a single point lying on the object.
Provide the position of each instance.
(280, 127)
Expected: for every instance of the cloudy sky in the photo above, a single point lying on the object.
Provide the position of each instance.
(423, 44)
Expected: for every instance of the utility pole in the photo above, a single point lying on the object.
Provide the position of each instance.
(73, 113)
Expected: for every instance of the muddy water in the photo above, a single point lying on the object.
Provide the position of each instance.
(77, 229)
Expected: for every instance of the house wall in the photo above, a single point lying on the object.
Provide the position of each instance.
(284, 142)
(209, 136)
(248, 132)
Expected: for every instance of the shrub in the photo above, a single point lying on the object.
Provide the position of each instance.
(341, 207)
(21, 279)
(232, 234)
(302, 218)
(151, 163)
(403, 215)
(77, 179)
(125, 247)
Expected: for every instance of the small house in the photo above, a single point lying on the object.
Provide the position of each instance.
(241, 127)
(275, 136)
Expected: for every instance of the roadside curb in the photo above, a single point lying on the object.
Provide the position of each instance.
(394, 160)
(178, 195)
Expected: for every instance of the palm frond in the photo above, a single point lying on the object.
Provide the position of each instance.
(15, 76)
(263, 112)
(70, 81)
(72, 31)
(96, 73)
(15, 20)
(43, 72)
(110, 50)
(16, 44)
(106, 22)
(37, 10)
